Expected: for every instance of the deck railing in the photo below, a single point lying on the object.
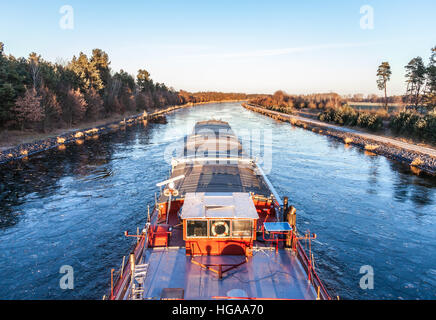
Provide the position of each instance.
(308, 265)
(121, 277)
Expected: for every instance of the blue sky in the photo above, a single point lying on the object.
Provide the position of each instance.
(239, 46)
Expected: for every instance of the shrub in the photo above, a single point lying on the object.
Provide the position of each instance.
(412, 124)
(404, 122)
(430, 129)
(370, 120)
(346, 115)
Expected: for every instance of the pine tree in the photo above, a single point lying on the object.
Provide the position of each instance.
(430, 94)
(143, 80)
(384, 75)
(100, 62)
(416, 78)
(87, 72)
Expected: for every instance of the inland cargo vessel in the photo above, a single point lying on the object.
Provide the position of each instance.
(218, 230)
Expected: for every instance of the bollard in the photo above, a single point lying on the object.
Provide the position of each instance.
(291, 217)
(285, 208)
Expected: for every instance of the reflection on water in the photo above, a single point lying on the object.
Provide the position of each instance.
(416, 188)
(71, 206)
(373, 175)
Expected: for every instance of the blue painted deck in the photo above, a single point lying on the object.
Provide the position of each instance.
(266, 274)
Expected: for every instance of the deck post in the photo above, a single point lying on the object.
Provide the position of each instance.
(112, 283)
(285, 207)
(132, 264)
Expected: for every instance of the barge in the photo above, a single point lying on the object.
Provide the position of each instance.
(218, 230)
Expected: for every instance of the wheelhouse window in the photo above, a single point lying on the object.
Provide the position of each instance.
(219, 228)
(196, 228)
(242, 228)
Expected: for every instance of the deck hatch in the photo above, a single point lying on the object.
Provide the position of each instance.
(218, 205)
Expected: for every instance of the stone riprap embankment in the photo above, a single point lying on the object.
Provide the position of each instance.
(418, 157)
(27, 149)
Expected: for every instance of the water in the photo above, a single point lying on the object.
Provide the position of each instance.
(71, 207)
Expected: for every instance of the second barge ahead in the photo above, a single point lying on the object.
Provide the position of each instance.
(219, 230)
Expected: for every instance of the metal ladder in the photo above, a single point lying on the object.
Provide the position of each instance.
(138, 281)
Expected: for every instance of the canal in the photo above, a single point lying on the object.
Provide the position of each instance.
(71, 207)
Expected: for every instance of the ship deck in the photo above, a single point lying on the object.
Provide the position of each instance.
(266, 274)
(213, 160)
(202, 177)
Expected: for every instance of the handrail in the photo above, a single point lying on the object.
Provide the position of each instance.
(313, 276)
(120, 279)
(271, 187)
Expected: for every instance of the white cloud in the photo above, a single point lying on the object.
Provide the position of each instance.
(279, 52)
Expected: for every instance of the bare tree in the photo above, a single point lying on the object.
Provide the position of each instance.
(34, 60)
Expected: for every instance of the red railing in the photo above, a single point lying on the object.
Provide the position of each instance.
(120, 279)
(322, 292)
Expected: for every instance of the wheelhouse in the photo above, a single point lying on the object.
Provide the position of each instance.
(219, 223)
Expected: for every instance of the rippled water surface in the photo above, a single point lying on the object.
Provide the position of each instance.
(71, 207)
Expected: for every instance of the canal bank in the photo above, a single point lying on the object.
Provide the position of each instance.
(25, 150)
(420, 159)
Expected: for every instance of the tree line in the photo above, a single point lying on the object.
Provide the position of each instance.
(36, 94)
(417, 120)
(420, 92)
(420, 80)
(373, 98)
(280, 101)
